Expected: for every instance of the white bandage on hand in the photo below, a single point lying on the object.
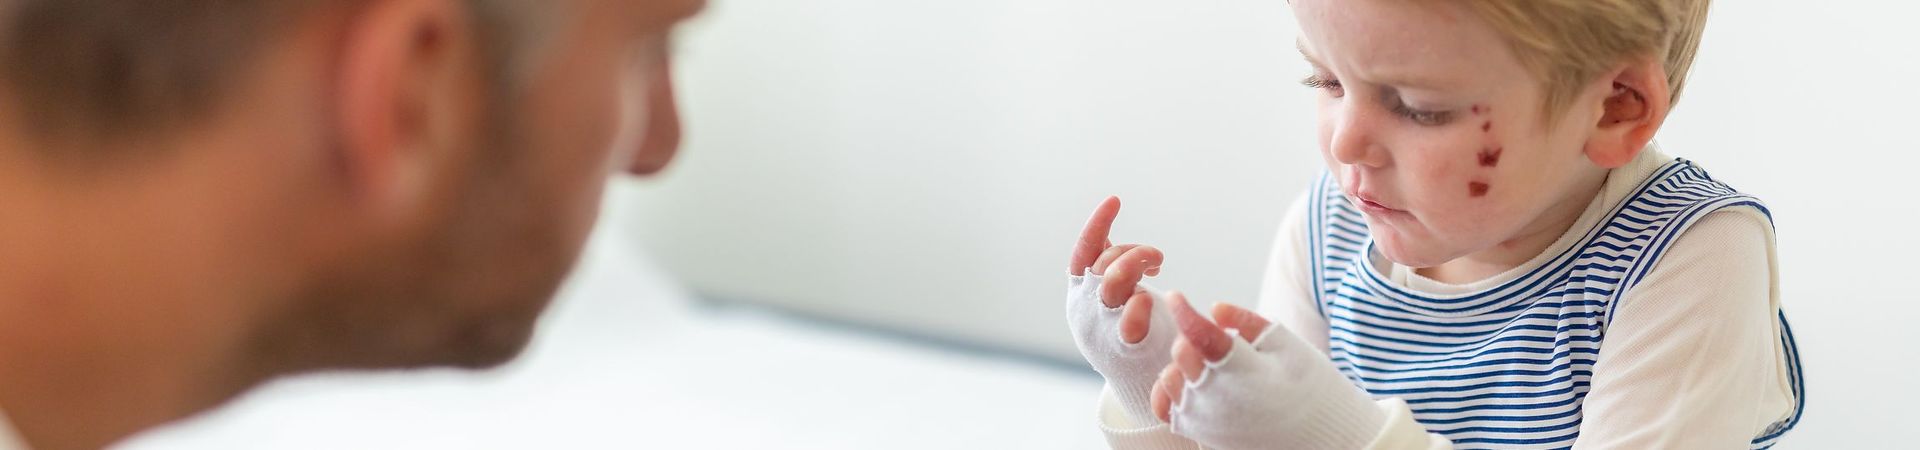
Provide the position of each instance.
(1278, 392)
(1130, 369)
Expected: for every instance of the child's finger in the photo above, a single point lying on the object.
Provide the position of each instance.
(1145, 259)
(1212, 343)
(1135, 320)
(1093, 238)
(1249, 324)
(1176, 386)
(1166, 392)
(1188, 359)
(1126, 273)
(1150, 259)
(1108, 256)
(1114, 289)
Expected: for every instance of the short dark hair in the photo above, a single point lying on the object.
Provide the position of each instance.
(116, 68)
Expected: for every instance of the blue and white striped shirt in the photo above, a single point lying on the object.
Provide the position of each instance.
(1508, 366)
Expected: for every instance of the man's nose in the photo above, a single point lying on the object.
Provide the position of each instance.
(661, 140)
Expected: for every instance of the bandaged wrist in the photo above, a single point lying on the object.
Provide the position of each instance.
(1130, 369)
(1277, 392)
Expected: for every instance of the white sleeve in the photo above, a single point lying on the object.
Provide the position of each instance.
(1286, 289)
(1692, 356)
(1123, 434)
(1398, 432)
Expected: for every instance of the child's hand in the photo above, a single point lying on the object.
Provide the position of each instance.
(1199, 342)
(1115, 321)
(1261, 387)
(1123, 266)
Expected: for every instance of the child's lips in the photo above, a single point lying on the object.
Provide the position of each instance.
(1373, 207)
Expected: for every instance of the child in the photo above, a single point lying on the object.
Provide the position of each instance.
(1497, 256)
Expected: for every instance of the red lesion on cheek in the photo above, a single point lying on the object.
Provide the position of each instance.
(1490, 156)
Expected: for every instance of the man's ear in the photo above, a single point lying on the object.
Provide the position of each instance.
(1634, 108)
(397, 97)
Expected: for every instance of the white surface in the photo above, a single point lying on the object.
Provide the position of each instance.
(625, 361)
(850, 150)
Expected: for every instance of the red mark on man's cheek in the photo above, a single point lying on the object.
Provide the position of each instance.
(1477, 109)
(1478, 189)
(1490, 156)
(1487, 126)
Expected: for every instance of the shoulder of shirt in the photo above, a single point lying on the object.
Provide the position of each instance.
(1726, 234)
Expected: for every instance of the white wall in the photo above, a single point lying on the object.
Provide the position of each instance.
(925, 165)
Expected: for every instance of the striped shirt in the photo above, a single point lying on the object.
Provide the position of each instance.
(1508, 366)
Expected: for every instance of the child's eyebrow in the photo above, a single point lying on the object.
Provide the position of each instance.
(1390, 79)
(1302, 46)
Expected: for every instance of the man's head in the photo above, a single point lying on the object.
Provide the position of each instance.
(1466, 126)
(347, 183)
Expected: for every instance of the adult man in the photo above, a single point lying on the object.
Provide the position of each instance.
(197, 196)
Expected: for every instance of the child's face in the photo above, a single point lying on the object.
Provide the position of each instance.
(1432, 127)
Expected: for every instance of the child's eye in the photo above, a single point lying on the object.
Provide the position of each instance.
(1332, 86)
(1422, 117)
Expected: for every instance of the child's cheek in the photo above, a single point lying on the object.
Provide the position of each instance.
(1323, 126)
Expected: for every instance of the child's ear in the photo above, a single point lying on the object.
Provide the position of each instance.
(1632, 111)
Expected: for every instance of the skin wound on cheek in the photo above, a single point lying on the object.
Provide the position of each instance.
(1478, 189)
(1490, 156)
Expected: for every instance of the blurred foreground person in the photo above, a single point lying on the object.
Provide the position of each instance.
(197, 196)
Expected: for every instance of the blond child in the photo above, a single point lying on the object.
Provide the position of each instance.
(1496, 257)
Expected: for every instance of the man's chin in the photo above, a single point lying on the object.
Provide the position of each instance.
(489, 346)
(472, 346)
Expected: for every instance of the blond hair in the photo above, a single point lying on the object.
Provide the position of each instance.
(1569, 42)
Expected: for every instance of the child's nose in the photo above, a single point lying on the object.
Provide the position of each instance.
(1353, 141)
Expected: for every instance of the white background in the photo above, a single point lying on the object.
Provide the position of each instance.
(925, 165)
